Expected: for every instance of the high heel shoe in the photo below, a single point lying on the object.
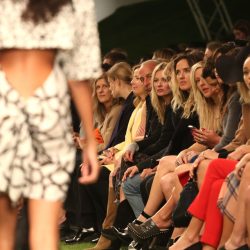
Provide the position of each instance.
(146, 230)
(195, 246)
(244, 247)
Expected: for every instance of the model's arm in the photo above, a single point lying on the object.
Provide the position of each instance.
(81, 93)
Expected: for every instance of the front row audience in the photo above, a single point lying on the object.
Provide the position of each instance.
(160, 124)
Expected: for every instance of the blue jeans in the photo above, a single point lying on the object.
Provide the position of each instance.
(131, 189)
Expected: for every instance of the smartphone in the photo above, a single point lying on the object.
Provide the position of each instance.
(192, 127)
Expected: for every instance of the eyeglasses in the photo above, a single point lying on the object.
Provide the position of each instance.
(143, 78)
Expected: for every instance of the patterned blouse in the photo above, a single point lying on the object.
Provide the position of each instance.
(73, 31)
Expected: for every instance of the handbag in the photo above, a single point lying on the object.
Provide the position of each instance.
(181, 216)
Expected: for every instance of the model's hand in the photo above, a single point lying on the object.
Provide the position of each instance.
(130, 172)
(90, 169)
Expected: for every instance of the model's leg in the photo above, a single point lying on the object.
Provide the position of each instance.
(238, 236)
(7, 224)
(43, 218)
(166, 165)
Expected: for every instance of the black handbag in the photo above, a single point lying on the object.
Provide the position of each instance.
(180, 216)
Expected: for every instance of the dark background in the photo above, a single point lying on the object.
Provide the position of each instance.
(141, 28)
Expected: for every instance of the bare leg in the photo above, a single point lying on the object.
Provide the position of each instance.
(163, 217)
(248, 214)
(190, 236)
(238, 236)
(156, 196)
(227, 230)
(7, 224)
(43, 217)
(201, 171)
(167, 183)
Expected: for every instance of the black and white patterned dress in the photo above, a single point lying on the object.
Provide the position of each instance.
(36, 149)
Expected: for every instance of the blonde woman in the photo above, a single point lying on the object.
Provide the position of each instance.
(106, 108)
(204, 209)
(204, 94)
(181, 103)
(141, 87)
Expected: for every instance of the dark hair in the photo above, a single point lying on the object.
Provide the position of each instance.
(243, 26)
(213, 45)
(208, 70)
(115, 57)
(223, 49)
(43, 10)
(164, 53)
(191, 58)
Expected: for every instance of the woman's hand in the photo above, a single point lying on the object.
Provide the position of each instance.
(146, 172)
(128, 155)
(240, 166)
(206, 137)
(181, 158)
(130, 172)
(130, 151)
(110, 153)
(239, 152)
(205, 155)
(185, 156)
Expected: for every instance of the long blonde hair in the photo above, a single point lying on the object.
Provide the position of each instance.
(99, 109)
(182, 99)
(137, 99)
(207, 110)
(244, 91)
(158, 102)
(121, 71)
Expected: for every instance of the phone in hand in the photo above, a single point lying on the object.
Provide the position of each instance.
(191, 127)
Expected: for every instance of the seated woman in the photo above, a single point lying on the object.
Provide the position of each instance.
(135, 131)
(207, 98)
(106, 111)
(204, 208)
(235, 204)
(89, 210)
(181, 64)
(161, 96)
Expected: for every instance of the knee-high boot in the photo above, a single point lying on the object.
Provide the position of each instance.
(104, 243)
